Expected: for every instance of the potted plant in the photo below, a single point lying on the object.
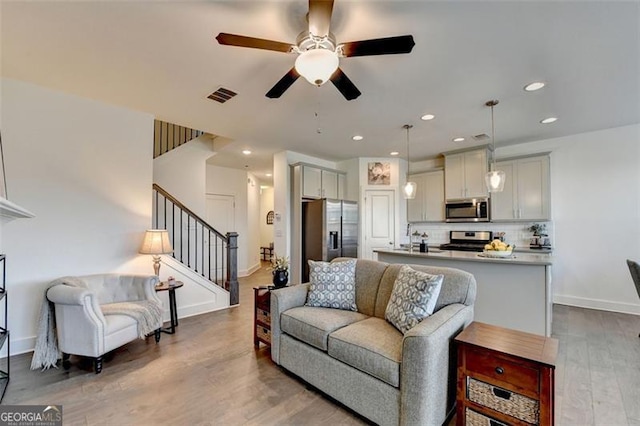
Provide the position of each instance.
(538, 230)
(280, 270)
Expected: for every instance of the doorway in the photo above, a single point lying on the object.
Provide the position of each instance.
(379, 221)
(220, 210)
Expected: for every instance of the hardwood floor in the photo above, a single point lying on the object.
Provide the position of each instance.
(209, 373)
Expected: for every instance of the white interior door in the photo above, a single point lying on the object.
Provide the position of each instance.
(379, 221)
(221, 216)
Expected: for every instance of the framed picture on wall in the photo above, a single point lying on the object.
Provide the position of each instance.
(379, 173)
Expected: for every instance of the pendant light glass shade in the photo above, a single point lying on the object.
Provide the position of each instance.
(495, 178)
(409, 189)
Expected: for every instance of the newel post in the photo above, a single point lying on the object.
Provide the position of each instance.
(231, 283)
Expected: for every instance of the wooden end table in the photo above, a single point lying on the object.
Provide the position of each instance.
(173, 309)
(505, 376)
(262, 315)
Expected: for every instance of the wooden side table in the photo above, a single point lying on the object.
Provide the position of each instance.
(505, 377)
(262, 315)
(173, 309)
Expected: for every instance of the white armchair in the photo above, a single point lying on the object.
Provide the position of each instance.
(82, 327)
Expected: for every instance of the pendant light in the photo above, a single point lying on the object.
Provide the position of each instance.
(495, 178)
(409, 188)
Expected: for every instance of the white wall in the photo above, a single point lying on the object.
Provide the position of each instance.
(84, 169)
(245, 189)
(266, 205)
(182, 172)
(595, 201)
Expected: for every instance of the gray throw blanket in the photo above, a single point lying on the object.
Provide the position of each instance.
(147, 313)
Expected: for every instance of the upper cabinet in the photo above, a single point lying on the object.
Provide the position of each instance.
(321, 183)
(526, 194)
(464, 174)
(428, 205)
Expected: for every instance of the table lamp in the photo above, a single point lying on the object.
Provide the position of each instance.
(156, 242)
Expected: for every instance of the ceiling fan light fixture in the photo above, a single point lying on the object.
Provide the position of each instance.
(317, 65)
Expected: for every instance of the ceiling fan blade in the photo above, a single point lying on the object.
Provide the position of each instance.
(344, 85)
(320, 17)
(379, 46)
(252, 42)
(285, 82)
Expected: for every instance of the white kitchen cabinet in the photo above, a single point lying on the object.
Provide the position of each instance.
(342, 186)
(428, 205)
(321, 183)
(526, 194)
(464, 174)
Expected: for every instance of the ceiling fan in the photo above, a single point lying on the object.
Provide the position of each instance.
(318, 52)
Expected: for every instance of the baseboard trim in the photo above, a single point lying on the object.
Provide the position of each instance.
(599, 304)
(247, 272)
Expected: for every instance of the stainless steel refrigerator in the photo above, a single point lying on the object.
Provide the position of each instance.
(329, 230)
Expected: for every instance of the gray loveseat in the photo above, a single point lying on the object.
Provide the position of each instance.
(362, 360)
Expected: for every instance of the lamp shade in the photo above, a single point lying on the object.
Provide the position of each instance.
(156, 241)
(317, 65)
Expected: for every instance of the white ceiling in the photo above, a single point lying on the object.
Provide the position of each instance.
(162, 58)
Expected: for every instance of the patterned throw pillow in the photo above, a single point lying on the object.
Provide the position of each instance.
(413, 298)
(333, 285)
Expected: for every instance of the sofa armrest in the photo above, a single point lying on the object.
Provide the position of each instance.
(68, 295)
(281, 300)
(80, 323)
(428, 375)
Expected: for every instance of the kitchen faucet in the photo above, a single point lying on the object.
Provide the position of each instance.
(410, 237)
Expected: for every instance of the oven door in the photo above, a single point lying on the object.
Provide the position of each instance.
(467, 211)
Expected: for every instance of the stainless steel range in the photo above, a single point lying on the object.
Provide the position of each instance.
(467, 240)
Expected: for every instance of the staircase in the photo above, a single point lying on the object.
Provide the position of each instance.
(196, 244)
(168, 136)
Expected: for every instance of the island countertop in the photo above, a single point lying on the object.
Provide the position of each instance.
(518, 258)
(512, 292)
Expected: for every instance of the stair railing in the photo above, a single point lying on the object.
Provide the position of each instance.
(196, 244)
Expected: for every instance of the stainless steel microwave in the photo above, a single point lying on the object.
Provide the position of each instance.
(471, 210)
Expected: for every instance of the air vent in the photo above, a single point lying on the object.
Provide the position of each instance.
(481, 137)
(222, 95)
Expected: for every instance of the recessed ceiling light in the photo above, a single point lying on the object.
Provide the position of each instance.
(549, 120)
(269, 175)
(357, 138)
(246, 151)
(427, 117)
(394, 153)
(458, 139)
(532, 87)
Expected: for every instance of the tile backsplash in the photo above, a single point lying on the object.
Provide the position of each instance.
(515, 233)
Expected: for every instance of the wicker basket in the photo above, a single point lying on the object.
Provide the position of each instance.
(264, 334)
(503, 401)
(264, 317)
(477, 419)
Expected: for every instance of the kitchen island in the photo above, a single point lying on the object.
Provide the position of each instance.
(512, 292)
